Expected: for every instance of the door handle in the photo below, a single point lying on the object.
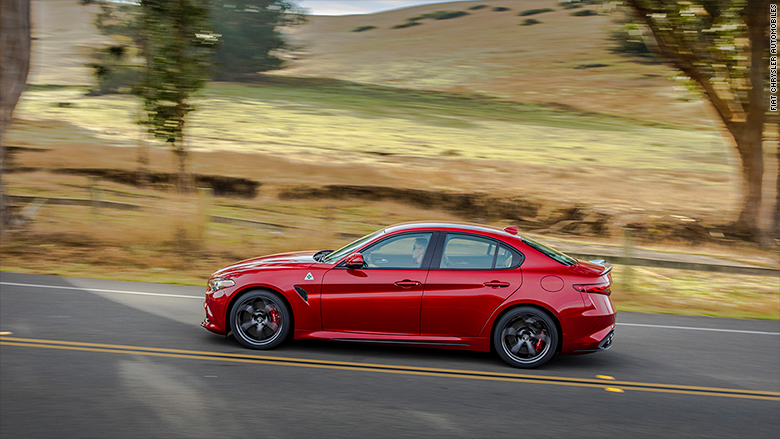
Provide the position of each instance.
(496, 284)
(406, 283)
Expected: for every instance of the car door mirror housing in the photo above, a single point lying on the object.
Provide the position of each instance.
(354, 261)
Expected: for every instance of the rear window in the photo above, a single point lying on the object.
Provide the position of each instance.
(563, 258)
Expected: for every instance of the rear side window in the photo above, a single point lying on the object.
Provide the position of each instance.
(563, 258)
(507, 258)
(464, 252)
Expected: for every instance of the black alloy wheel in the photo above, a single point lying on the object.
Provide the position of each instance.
(260, 319)
(525, 337)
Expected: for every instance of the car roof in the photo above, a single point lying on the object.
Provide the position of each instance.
(447, 226)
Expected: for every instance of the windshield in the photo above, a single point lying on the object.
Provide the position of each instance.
(550, 252)
(349, 248)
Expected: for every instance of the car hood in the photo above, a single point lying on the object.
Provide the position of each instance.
(285, 260)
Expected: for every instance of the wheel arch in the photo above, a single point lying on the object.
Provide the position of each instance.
(544, 309)
(248, 288)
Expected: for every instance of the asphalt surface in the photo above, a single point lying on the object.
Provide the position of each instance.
(83, 358)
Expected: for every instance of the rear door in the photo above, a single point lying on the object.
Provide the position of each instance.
(385, 295)
(470, 276)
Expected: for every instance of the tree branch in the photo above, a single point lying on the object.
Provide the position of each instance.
(687, 64)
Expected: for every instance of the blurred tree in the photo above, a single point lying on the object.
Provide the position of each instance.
(722, 45)
(14, 66)
(251, 39)
(178, 48)
(116, 67)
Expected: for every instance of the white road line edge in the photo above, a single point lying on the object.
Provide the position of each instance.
(97, 290)
(691, 328)
(140, 293)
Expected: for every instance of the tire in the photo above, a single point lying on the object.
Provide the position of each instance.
(260, 319)
(525, 337)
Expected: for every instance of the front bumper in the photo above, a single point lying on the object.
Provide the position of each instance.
(209, 323)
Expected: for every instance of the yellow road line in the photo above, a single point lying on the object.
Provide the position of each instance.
(386, 368)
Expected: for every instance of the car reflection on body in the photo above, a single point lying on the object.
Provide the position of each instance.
(445, 285)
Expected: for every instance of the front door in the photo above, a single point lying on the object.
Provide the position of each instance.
(383, 296)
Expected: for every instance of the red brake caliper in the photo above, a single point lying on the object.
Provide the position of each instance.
(539, 342)
(275, 316)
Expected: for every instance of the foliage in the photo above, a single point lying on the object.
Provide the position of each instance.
(250, 36)
(477, 7)
(363, 28)
(630, 39)
(178, 48)
(407, 24)
(439, 15)
(584, 13)
(721, 45)
(573, 6)
(535, 11)
(250, 40)
(529, 22)
(111, 66)
(501, 9)
(112, 70)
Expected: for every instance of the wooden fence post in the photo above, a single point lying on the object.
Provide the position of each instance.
(94, 194)
(628, 246)
(206, 199)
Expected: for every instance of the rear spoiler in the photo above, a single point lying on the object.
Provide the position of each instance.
(603, 263)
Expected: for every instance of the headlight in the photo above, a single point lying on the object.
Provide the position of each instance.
(218, 283)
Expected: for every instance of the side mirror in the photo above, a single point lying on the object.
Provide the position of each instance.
(354, 261)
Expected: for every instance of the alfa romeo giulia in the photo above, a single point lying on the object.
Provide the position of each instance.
(428, 284)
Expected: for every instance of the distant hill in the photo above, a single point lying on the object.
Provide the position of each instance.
(561, 60)
(564, 59)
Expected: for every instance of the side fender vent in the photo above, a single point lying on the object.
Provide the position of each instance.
(301, 292)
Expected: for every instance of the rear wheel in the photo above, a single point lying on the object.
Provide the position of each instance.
(260, 319)
(525, 337)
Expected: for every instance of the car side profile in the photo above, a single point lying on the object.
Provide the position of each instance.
(444, 285)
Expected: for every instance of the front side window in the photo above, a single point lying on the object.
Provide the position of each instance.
(349, 248)
(400, 252)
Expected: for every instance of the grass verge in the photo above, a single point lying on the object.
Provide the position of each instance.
(171, 242)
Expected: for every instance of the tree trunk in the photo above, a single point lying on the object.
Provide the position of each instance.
(14, 66)
(750, 138)
(776, 217)
(746, 125)
(184, 180)
(749, 145)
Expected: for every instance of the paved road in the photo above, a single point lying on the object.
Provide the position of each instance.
(89, 358)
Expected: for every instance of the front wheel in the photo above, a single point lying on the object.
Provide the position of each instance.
(260, 320)
(525, 337)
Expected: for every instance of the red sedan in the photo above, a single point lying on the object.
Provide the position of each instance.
(428, 284)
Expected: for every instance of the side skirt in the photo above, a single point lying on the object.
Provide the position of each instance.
(465, 343)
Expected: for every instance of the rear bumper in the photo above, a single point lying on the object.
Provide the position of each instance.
(593, 329)
(596, 342)
(607, 342)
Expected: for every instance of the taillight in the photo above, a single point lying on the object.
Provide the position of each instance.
(598, 289)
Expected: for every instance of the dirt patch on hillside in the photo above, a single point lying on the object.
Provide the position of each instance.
(564, 220)
(221, 185)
